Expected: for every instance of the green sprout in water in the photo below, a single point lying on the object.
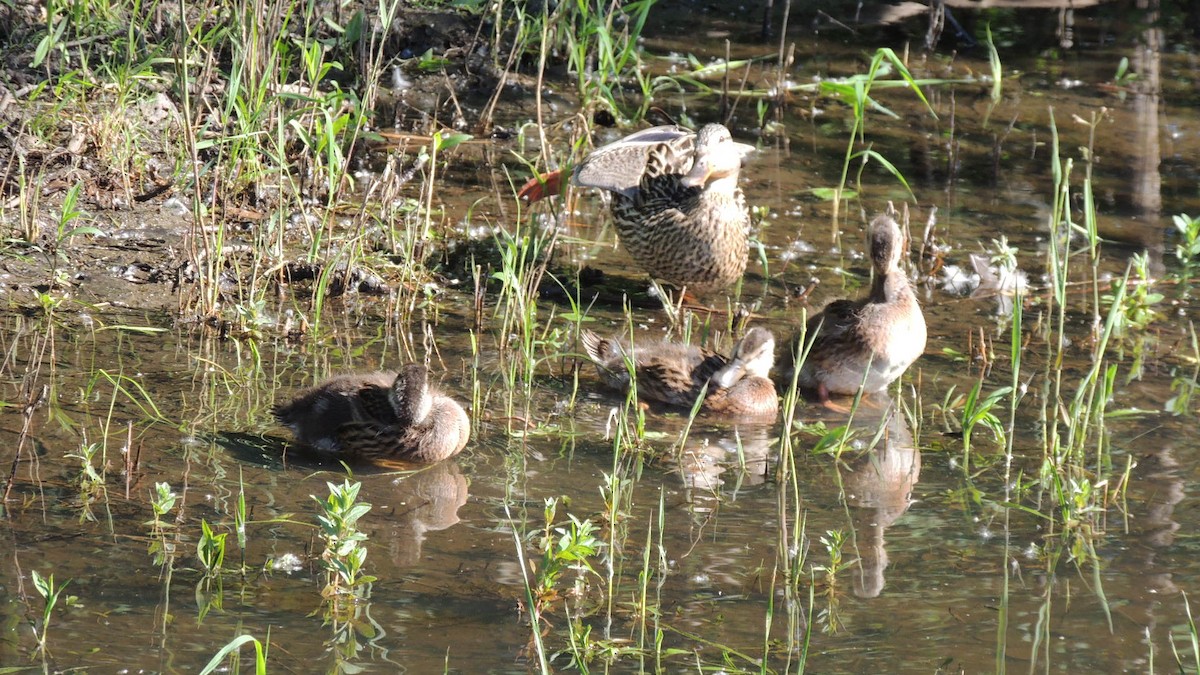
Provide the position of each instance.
(566, 547)
(1137, 309)
(344, 553)
(1081, 508)
(50, 594)
(977, 411)
(1188, 248)
(231, 650)
(90, 480)
(834, 542)
(162, 501)
(1124, 78)
(211, 550)
(88, 476)
(1004, 255)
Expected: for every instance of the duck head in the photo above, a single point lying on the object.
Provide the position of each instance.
(717, 158)
(409, 395)
(886, 242)
(752, 356)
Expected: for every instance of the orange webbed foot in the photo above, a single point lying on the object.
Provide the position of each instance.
(541, 186)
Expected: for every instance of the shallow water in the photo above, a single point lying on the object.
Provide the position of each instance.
(932, 554)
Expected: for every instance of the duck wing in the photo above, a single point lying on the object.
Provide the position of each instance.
(676, 374)
(619, 166)
(443, 433)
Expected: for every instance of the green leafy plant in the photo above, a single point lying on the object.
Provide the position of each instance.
(50, 593)
(564, 547)
(977, 411)
(89, 478)
(210, 549)
(1137, 307)
(345, 551)
(232, 648)
(1193, 639)
(91, 483)
(1187, 251)
(856, 92)
(162, 500)
(602, 48)
(1123, 78)
(833, 541)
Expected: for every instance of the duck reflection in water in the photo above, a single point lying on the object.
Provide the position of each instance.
(426, 500)
(717, 466)
(878, 486)
(710, 460)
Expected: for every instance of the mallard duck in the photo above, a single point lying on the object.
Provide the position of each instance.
(868, 342)
(676, 202)
(384, 415)
(677, 374)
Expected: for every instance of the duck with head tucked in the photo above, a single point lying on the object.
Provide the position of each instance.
(870, 342)
(677, 375)
(676, 203)
(378, 416)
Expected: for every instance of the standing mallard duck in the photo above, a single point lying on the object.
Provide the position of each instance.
(872, 341)
(676, 202)
(383, 415)
(677, 374)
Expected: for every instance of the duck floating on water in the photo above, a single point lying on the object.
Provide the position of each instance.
(375, 416)
(677, 374)
(870, 342)
(676, 202)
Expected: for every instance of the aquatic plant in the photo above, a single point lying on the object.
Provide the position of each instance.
(535, 617)
(90, 479)
(345, 550)
(602, 47)
(1193, 639)
(1137, 309)
(977, 411)
(599, 42)
(162, 500)
(855, 91)
(210, 550)
(524, 339)
(50, 592)
(564, 547)
(231, 651)
(1187, 251)
(239, 521)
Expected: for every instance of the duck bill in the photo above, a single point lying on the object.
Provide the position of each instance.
(702, 171)
(729, 375)
(708, 167)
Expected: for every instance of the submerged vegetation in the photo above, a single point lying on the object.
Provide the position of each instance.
(280, 192)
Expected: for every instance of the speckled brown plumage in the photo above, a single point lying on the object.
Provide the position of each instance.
(868, 342)
(676, 202)
(678, 374)
(382, 415)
